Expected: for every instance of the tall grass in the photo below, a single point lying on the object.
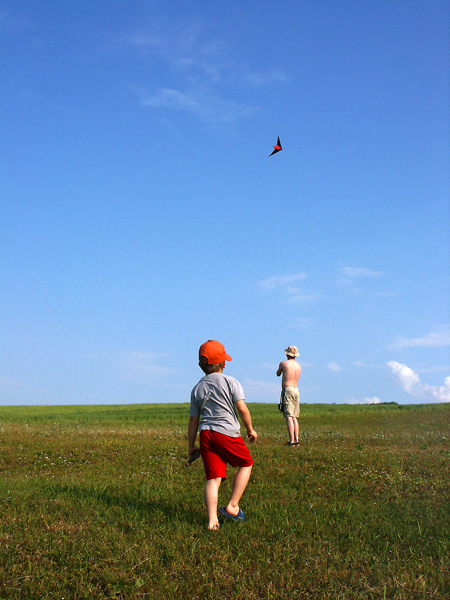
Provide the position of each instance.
(95, 502)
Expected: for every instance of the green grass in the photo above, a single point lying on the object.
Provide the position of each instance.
(95, 503)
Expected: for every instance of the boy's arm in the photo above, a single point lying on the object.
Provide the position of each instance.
(246, 419)
(192, 434)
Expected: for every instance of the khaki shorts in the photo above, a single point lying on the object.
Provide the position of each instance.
(290, 397)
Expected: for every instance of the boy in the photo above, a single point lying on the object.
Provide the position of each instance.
(290, 396)
(215, 400)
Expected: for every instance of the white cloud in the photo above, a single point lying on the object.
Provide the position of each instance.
(373, 400)
(292, 292)
(405, 376)
(334, 367)
(281, 281)
(410, 382)
(207, 86)
(204, 104)
(354, 272)
(183, 46)
(187, 48)
(144, 367)
(173, 99)
(366, 400)
(437, 393)
(304, 298)
(351, 274)
(435, 339)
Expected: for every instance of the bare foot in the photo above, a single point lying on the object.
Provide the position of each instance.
(214, 526)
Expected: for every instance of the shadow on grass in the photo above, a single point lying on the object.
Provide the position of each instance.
(105, 497)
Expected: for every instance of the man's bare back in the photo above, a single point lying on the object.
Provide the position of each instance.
(291, 372)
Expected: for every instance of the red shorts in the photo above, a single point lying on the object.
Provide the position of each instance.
(217, 450)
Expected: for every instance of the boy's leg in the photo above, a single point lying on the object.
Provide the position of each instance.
(239, 485)
(211, 500)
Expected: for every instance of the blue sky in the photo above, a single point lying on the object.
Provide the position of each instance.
(141, 215)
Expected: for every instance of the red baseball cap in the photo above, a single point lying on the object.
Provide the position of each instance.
(214, 352)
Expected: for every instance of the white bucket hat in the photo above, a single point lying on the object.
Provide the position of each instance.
(292, 351)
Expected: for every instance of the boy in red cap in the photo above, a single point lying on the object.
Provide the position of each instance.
(214, 402)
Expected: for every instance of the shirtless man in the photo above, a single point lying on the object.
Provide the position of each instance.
(290, 396)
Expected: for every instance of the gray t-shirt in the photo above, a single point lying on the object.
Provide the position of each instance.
(213, 399)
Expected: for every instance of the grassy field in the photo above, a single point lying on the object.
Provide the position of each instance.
(96, 503)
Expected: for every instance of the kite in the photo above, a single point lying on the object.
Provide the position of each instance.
(277, 147)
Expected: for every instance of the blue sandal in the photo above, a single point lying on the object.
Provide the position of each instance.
(239, 517)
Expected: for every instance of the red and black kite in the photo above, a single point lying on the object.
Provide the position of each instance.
(276, 148)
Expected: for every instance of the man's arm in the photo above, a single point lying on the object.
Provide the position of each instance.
(246, 419)
(280, 369)
(192, 434)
